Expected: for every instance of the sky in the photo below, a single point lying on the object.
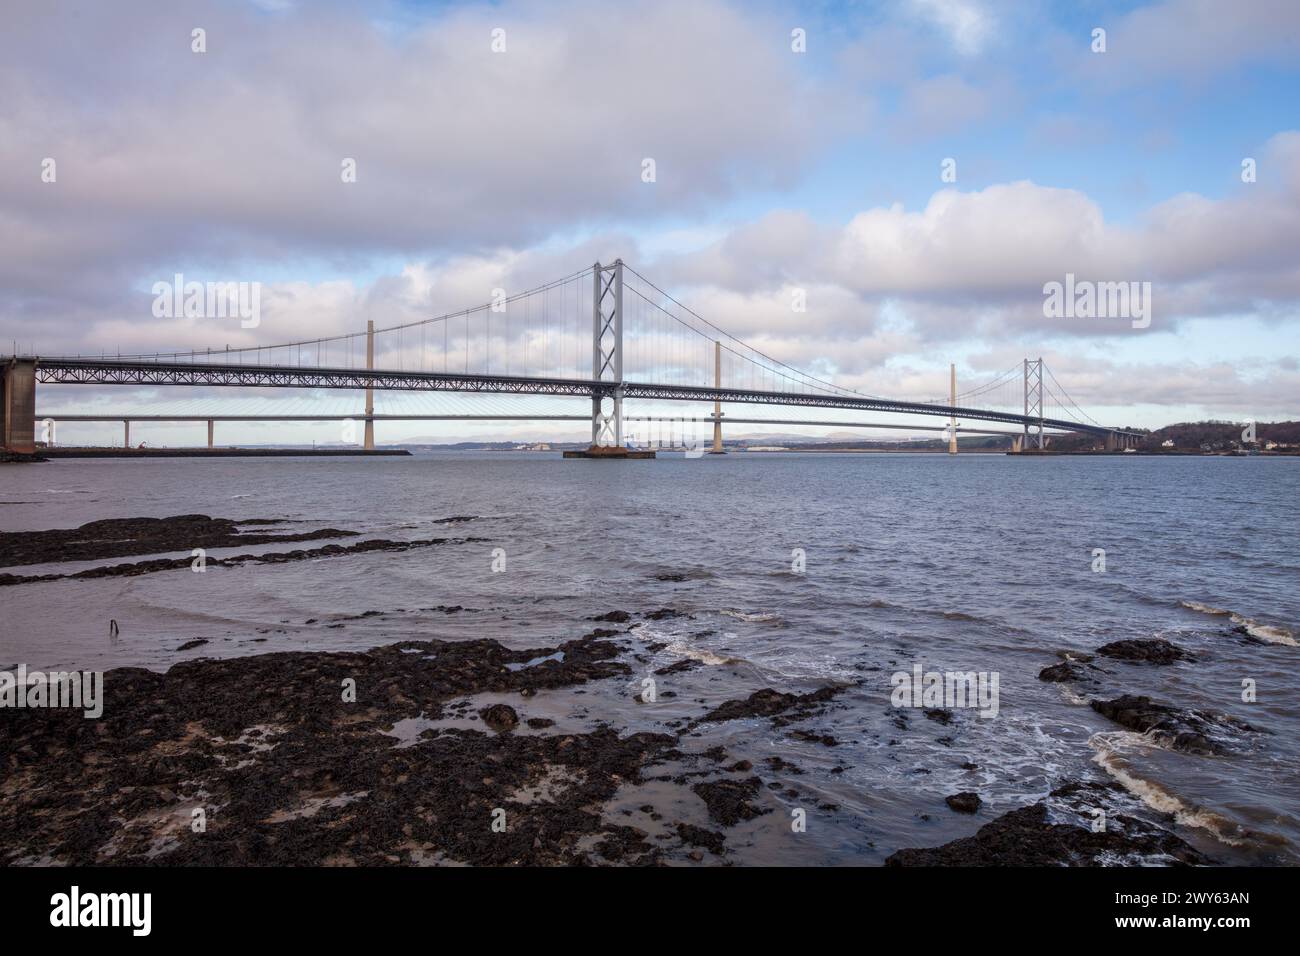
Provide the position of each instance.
(918, 170)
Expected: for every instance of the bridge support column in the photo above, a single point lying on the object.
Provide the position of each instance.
(952, 401)
(126, 433)
(1017, 443)
(607, 355)
(717, 406)
(370, 392)
(18, 406)
(1110, 441)
(1034, 398)
(607, 367)
(210, 429)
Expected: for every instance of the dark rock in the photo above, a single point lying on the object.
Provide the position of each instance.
(826, 740)
(728, 800)
(500, 717)
(711, 840)
(1024, 837)
(1154, 651)
(679, 667)
(1189, 731)
(964, 802)
(662, 614)
(1066, 671)
(772, 703)
(780, 765)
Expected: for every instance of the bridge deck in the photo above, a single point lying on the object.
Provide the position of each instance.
(105, 371)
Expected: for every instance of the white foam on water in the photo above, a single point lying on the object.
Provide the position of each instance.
(1205, 609)
(1070, 695)
(701, 655)
(1264, 632)
(1108, 757)
(676, 643)
(751, 618)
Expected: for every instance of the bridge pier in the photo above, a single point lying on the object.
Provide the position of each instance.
(18, 406)
(717, 406)
(370, 392)
(126, 433)
(952, 401)
(210, 429)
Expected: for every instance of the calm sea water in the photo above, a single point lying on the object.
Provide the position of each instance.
(974, 563)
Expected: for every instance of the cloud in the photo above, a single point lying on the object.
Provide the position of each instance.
(967, 23)
(1192, 40)
(169, 159)
(975, 262)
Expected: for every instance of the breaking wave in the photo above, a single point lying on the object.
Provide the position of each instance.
(1108, 757)
(1271, 633)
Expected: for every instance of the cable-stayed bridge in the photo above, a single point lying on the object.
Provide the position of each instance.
(605, 335)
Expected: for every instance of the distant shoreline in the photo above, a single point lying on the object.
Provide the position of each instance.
(53, 453)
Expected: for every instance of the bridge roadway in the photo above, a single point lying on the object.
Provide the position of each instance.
(106, 371)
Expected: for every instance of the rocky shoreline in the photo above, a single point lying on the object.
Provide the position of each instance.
(457, 752)
(384, 757)
(121, 537)
(286, 769)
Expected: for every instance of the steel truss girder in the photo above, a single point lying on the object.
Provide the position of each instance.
(110, 372)
(80, 371)
(747, 396)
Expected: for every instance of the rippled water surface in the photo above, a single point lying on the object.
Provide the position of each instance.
(978, 563)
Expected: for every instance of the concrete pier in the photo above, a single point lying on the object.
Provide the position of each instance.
(370, 392)
(18, 406)
(952, 400)
(717, 406)
(609, 451)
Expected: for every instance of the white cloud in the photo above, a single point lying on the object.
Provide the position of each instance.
(967, 23)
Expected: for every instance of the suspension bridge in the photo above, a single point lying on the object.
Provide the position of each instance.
(605, 335)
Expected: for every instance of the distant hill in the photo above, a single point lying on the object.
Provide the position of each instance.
(1224, 434)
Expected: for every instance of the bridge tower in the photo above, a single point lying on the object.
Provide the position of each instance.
(1034, 398)
(607, 355)
(607, 367)
(18, 406)
(952, 401)
(370, 392)
(717, 406)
